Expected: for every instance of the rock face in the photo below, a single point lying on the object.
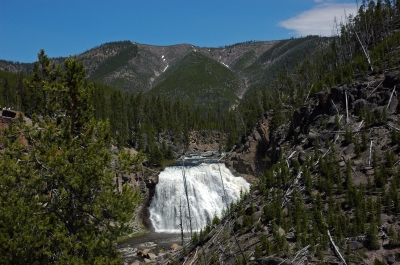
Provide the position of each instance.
(249, 158)
(146, 182)
(204, 141)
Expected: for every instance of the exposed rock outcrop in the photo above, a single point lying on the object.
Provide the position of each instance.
(249, 159)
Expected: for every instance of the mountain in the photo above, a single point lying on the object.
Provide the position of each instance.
(199, 75)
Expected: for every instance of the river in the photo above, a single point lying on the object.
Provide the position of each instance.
(211, 186)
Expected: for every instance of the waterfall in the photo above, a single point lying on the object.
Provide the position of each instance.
(205, 192)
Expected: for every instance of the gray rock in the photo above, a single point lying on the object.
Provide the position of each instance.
(161, 256)
(256, 136)
(257, 215)
(391, 260)
(384, 218)
(303, 157)
(349, 149)
(391, 79)
(355, 245)
(325, 135)
(152, 256)
(174, 247)
(359, 105)
(281, 232)
(362, 94)
(312, 136)
(298, 148)
(240, 220)
(323, 97)
(375, 99)
(337, 94)
(332, 120)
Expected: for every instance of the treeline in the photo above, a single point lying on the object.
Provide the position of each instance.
(364, 43)
(149, 123)
(135, 120)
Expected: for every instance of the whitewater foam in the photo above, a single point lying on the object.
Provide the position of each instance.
(205, 192)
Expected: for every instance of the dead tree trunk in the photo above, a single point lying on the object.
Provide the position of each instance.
(187, 199)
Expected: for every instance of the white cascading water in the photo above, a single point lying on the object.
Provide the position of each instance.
(205, 192)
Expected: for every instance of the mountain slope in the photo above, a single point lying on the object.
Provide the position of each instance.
(223, 73)
(199, 80)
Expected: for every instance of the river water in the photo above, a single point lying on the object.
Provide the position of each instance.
(210, 187)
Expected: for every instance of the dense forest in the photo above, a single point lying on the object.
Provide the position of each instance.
(306, 209)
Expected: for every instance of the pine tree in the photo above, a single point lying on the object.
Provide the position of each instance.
(59, 203)
(372, 234)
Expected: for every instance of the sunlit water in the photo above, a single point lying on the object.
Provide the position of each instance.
(205, 193)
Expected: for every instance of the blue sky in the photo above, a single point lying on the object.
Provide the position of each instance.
(70, 27)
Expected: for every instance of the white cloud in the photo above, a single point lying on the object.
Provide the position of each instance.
(318, 20)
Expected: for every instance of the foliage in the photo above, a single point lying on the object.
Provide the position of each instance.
(59, 203)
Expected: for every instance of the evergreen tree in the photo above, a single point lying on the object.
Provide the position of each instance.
(58, 200)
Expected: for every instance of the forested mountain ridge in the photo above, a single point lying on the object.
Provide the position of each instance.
(327, 185)
(329, 193)
(133, 67)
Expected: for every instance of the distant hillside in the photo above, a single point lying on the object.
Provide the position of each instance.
(198, 79)
(199, 75)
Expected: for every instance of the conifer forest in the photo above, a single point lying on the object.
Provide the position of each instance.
(313, 124)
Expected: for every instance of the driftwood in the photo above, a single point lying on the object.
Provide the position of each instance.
(365, 51)
(335, 106)
(336, 248)
(390, 99)
(187, 198)
(309, 91)
(359, 126)
(392, 127)
(373, 91)
(370, 150)
(301, 255)
(347, 108)
(290, 156)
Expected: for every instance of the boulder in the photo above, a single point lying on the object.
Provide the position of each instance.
(249, 158)
(303, 157)
(256, 136)
(281, 231)
(323, 100)
(239, 220)
(349, 149)
(337, 94)
(355, 245)
(384, 218)
(161, 256)
(152, 256)
(359, 104)
(143, 253)
(174, 247)
(136, 262)
(257, 215)
(375, 99)
(325, 135)
(391, 79)
(390, 260)
(312, 136)
(362, 94)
